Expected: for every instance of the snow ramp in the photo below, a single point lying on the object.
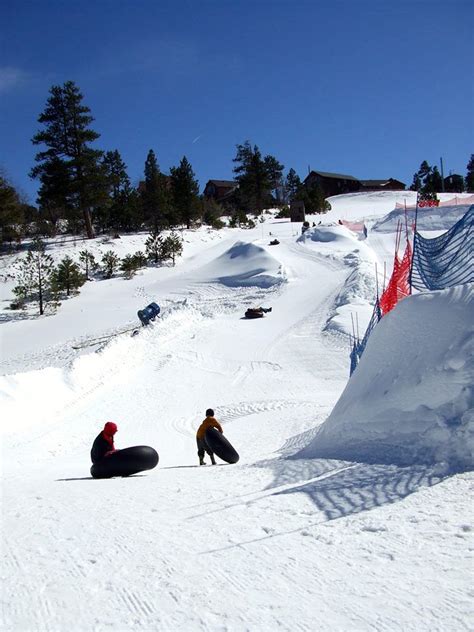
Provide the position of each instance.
(411, 399)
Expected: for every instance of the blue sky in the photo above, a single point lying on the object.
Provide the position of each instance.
(364, 88)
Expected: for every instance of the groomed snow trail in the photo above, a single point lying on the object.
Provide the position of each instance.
(269, 543)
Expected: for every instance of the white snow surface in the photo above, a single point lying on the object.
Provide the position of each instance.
(349, 508)
(411, 399)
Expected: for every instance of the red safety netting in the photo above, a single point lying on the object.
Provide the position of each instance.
(455, 201)
(398, 287)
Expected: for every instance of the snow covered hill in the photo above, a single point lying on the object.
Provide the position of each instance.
(308, 531)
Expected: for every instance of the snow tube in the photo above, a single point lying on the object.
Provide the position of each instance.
(126, 462)
(253, 313)
(150, 312)
(220, 446)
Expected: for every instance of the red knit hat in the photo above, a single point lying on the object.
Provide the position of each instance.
(110, 428)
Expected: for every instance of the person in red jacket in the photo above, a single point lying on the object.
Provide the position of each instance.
(202, 446)
(104, 443)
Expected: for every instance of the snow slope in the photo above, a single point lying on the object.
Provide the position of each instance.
(411, 399)
(283, 539)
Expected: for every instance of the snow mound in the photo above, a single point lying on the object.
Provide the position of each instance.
(411, 399)
(435, 218)
(367, 205)
(245, 265)
(330, 234)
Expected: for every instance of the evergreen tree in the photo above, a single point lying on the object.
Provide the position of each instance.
(424, 171)
(35, 275)
(185, 192)
(257, 178)
(433, 181)
(172, 247)
(140, 259)
(292, 184)
(313, 198)
(123, 210)
(129, 266)
(25, 282)
(110, 263)
(67, 276)
(11, 211)
(156, 197)
(87, 258)
(416, 184)
(67, 136)
(54, 193)
(470, 175)
(212, 212)
(428, 180)
(153, 246)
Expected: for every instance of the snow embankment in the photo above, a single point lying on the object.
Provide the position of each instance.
(427, 219)
(356, 298)
(245, 265)
(411, 399)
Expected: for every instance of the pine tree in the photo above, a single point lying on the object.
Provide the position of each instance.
(54, 193)
(11, 211)
(67, 136)
(292, 184)
(129, 266)
(140, 259)
(172, 247)
(87, 258)
(470, 175)
(35, 275)
(313, 198)
(428, 180)
(67, 276)
(433, 181)
(185, 192)
(153, 246)
(121, 211)
(110, 263)
(416, 184)
(257, 177)
(212, 212)
(156, 197)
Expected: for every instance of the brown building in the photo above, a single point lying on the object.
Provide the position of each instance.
(337, 183)
(332, 183)
(454, 183)
(141, 184)
(382, 185)
(219, 190)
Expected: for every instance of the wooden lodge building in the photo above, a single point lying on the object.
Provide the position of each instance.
(337, 183)
(219, 190)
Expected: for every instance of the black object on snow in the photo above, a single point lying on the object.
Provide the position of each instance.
(221, 446)
(126, 462)
(257, 312)
(150, 312)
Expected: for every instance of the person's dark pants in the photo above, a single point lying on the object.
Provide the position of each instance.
(202, 448)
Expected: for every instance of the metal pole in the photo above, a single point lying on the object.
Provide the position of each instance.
(414, 246)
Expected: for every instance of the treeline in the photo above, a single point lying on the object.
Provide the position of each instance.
(427, 181)
(84, 190)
